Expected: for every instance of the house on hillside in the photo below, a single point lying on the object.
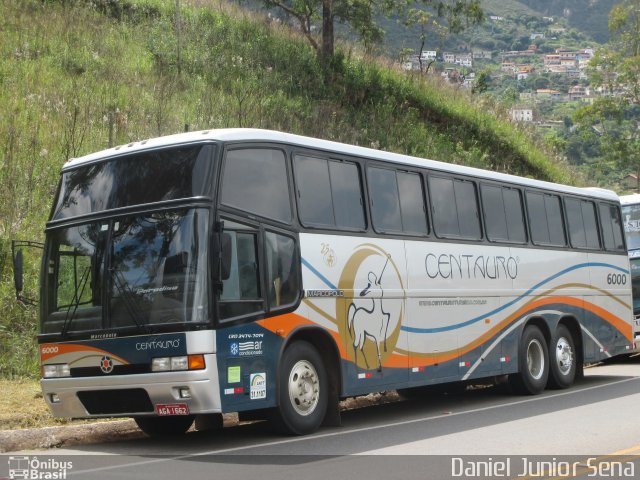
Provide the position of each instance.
(578, 92)
(428, 55)
(521, 114)
(482, 55)
(464, 59)
(508, 67)
(543, 93)
(449, 57)
(630, 182)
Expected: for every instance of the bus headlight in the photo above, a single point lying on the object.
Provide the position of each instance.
(161, 364)
(176, 364)
(179, 363)
(56, 371)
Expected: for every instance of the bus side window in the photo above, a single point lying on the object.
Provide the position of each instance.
(503, 214)
(282, 270)
(412, 204)
(329, 193)
(611, 227)
(255, 181)
(545, 219)
(385, 201)
(455, 208)
(241, 293)
(581, 216)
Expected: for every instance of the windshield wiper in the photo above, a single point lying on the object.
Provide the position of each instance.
(127, 296)
(75, 302)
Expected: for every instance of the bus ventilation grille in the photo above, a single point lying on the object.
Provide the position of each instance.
(110, 402)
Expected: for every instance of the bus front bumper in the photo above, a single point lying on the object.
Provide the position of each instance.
(134, 395)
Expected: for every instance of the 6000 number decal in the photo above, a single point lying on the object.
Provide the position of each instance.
(616, 279)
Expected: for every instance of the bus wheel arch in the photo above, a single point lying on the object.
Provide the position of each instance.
(565, 354)
(312, 351)
(533, 358)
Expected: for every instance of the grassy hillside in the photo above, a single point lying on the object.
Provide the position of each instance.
(74, 74)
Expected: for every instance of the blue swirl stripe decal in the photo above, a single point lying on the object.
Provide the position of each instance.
(513, 302)
(326, 281)
(319, 275)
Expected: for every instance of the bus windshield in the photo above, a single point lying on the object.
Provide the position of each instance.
(631, 220)
(128, 272)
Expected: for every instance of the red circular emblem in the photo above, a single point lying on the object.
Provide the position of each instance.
(106, 365)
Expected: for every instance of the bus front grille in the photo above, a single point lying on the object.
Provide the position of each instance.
(111, 402)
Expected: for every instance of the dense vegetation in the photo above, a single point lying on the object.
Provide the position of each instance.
(75, 74)
(588, 17)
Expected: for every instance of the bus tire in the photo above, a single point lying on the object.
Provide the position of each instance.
(161, 426)
(562, 358)
(303, 390)
(533, 363)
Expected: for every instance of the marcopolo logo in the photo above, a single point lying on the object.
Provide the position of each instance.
(23, 467)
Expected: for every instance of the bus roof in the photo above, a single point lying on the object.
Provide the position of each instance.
(266, 136)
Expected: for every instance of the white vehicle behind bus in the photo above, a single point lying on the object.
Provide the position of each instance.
(631, 220)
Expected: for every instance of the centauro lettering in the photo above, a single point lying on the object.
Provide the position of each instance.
(158, 344)
(470, 266)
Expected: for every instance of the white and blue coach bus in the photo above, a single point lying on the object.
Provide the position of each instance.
(247, 270)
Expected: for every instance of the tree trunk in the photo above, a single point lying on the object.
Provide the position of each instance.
(327, 30)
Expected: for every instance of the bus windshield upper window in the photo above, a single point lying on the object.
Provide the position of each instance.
(141, 178)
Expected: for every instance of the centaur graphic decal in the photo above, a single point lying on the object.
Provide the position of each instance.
(369, 322)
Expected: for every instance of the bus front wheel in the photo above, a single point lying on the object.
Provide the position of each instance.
(533, 363)
(160, 426)
(303, 390)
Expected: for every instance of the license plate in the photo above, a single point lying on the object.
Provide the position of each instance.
(164, 409)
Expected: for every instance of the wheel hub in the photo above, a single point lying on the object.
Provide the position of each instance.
(564, 356)
(303, 388)
(535, 359)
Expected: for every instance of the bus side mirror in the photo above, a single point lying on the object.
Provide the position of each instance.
(18, 267)
(225, 256)
(17, 272)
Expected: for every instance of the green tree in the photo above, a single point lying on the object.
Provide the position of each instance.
(615, 71)
(360, 16)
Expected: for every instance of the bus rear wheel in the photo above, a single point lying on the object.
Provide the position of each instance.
(161, 426)
(302, 391)
(563, 359)
(533, 363)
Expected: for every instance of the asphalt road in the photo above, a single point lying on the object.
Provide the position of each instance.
(484, 433)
